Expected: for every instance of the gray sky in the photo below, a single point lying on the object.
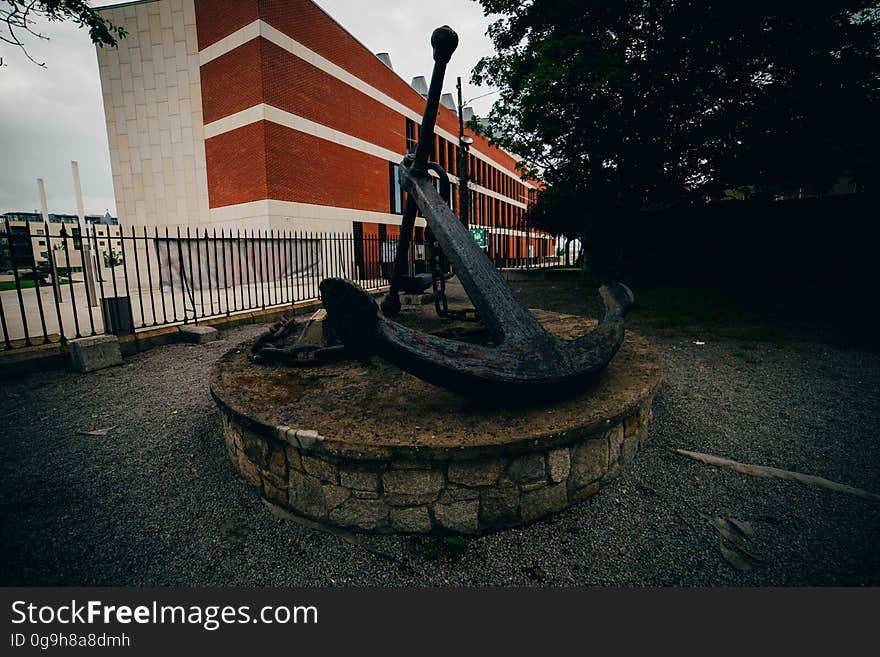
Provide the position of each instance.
(51, 116)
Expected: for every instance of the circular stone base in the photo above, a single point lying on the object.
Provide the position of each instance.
(372, 448)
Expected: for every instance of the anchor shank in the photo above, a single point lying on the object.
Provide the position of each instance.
(391, 303)
(504, 315)
(444, 40)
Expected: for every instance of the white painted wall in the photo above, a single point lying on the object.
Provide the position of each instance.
(153, 105)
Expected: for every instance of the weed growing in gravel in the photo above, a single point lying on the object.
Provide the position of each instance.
(451, 548)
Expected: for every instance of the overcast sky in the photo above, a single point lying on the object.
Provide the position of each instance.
(51, 116)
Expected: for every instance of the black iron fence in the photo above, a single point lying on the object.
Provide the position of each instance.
(60, 282)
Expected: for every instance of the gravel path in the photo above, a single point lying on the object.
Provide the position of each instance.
(155, 501)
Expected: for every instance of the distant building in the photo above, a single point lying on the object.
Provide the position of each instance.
(244, 114)
(28, 246)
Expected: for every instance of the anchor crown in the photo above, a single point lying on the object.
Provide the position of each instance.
(444, 40)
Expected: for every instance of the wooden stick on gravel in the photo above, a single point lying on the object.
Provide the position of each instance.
(766, 471)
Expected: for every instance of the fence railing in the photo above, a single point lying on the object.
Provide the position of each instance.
(67, 281)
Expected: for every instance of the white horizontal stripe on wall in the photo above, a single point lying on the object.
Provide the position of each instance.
(288, 120)
(260, 28)
(320, 213)
(281, 117)
(238, 38)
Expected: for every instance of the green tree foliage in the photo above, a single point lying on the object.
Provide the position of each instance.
(19, 17)
(638, 103)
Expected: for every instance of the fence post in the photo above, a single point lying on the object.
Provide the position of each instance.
(44, 209)
(88, 272)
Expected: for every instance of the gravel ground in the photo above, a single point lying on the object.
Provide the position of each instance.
(155, 501)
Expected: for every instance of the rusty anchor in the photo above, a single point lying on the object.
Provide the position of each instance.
(524, 361)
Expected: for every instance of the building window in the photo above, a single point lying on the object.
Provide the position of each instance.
(41, 242)
(411, 139)
(394, 188)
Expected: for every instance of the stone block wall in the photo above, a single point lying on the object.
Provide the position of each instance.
(497, 489)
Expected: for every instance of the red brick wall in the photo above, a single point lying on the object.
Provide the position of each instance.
(307, 169)
(298, 87)
(236, 163)
(232, 82)
(216, 19)
(296, 166)
(307, 23)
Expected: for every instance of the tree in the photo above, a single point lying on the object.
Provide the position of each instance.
(20, 16)
(642, 103)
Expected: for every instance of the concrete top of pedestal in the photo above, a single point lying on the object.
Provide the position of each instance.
(378, 411)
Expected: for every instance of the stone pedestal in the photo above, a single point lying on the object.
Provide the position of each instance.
(371, 448)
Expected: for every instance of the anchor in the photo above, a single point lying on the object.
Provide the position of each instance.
(524, 360)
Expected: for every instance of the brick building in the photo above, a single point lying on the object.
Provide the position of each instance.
(268, 114)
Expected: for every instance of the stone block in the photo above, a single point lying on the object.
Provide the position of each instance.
(409, 487)
(229, 437)
(615, 440)
(411, 519)
(359, 480)
(95, 353)
(612, 473)
(307, 494)
(294, 460)
(631, 424)
(335, 495)
(255, 448)
(461, 517)
(276, 469)
(307, 438)
(544, 501)
(319, 468)
(589, 460)
(249, 471)
(363, 514)
(457, 494)
(576, 495)
(413, 465)
(274, 493)
(558, 464)
(630, 447)
(527, 468)
(198, 334)
(499, 506)
(475, 473)
(231, 451)
(313, 331)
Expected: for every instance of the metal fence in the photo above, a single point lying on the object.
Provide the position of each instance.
(63, 282)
